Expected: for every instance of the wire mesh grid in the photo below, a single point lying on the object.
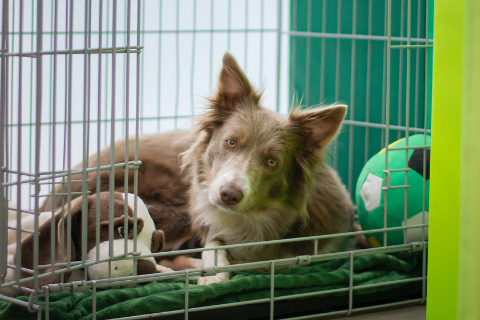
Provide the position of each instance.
(77, 76)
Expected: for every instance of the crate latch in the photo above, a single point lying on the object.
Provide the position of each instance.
(210, 271)
(417, 246)
(79, 286)
(304, 260)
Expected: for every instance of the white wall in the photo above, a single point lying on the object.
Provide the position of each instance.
(177, 70)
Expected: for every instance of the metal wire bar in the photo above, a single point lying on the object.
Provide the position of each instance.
(38, 139)
(106, 121)
(53, 132)
(411, 46)
(3, 148)
(111, 184)
(387, 116)
(66, 173)
(21, 230)
(99, 117)
(381, 126)
(236, 30)
(187, 285)
(192, 75)
(337, 77)
(141, 58)
(272, 289)
(384, 79)
(127, 144)
(107, 66)
(308, 51)
(350, 287)
(351, 36)
(229, 21)
(352, 99)
(400, 71)
(293, 54)
(26, 270)
(22, 303)
(47, 304)
(228, 268)
(137, 126)
(279, 51)
(367, 96)
(86, 131)
(407, 117)
(18, 251)
(410, 147)
(272, 242)
(159, 78)
(417, 62)
(94, 297)
(322, 56)
(212, 11)
(133, 49)
(32, 111)
(177, 48)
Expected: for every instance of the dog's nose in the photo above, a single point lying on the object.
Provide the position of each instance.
(230, 196)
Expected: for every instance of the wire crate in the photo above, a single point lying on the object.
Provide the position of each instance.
(76, 76)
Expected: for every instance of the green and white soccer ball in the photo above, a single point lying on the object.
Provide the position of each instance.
(370, 195)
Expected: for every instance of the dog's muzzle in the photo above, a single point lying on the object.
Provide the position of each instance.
(230, 195)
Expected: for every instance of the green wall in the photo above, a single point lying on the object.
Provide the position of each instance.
(321, 71)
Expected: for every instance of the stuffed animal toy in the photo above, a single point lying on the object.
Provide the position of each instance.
(148, 240)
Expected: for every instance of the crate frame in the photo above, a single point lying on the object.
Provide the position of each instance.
(37, 177)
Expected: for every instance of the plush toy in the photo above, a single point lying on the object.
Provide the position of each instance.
(370, 195)
(148, 240)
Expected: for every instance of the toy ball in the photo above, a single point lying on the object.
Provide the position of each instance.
(370, 193)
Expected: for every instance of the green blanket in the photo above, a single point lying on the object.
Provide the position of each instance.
(245, 285)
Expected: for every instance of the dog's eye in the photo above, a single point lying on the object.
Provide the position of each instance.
(121, 231)
(272, 162)
(231, 143)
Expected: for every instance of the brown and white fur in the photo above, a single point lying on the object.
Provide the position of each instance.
(161, 185)
(257, 176)
(246, 174)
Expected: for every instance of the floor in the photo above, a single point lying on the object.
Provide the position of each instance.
(407, 313)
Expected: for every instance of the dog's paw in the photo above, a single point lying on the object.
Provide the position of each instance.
(162, 269)
(221, 277)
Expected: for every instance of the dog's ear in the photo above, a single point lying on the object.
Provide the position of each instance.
(233, 91)
(158, 241)
(233, 86)
(317, 126)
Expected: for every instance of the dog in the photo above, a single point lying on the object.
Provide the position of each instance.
(257, 176)
(69, 217)
(243, 174)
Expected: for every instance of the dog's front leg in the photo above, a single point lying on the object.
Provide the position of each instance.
(208, 258)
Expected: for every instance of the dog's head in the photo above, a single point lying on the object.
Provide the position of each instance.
(73, 229)
(247, 158)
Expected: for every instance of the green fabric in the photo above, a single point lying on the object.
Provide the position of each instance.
(245, 285)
